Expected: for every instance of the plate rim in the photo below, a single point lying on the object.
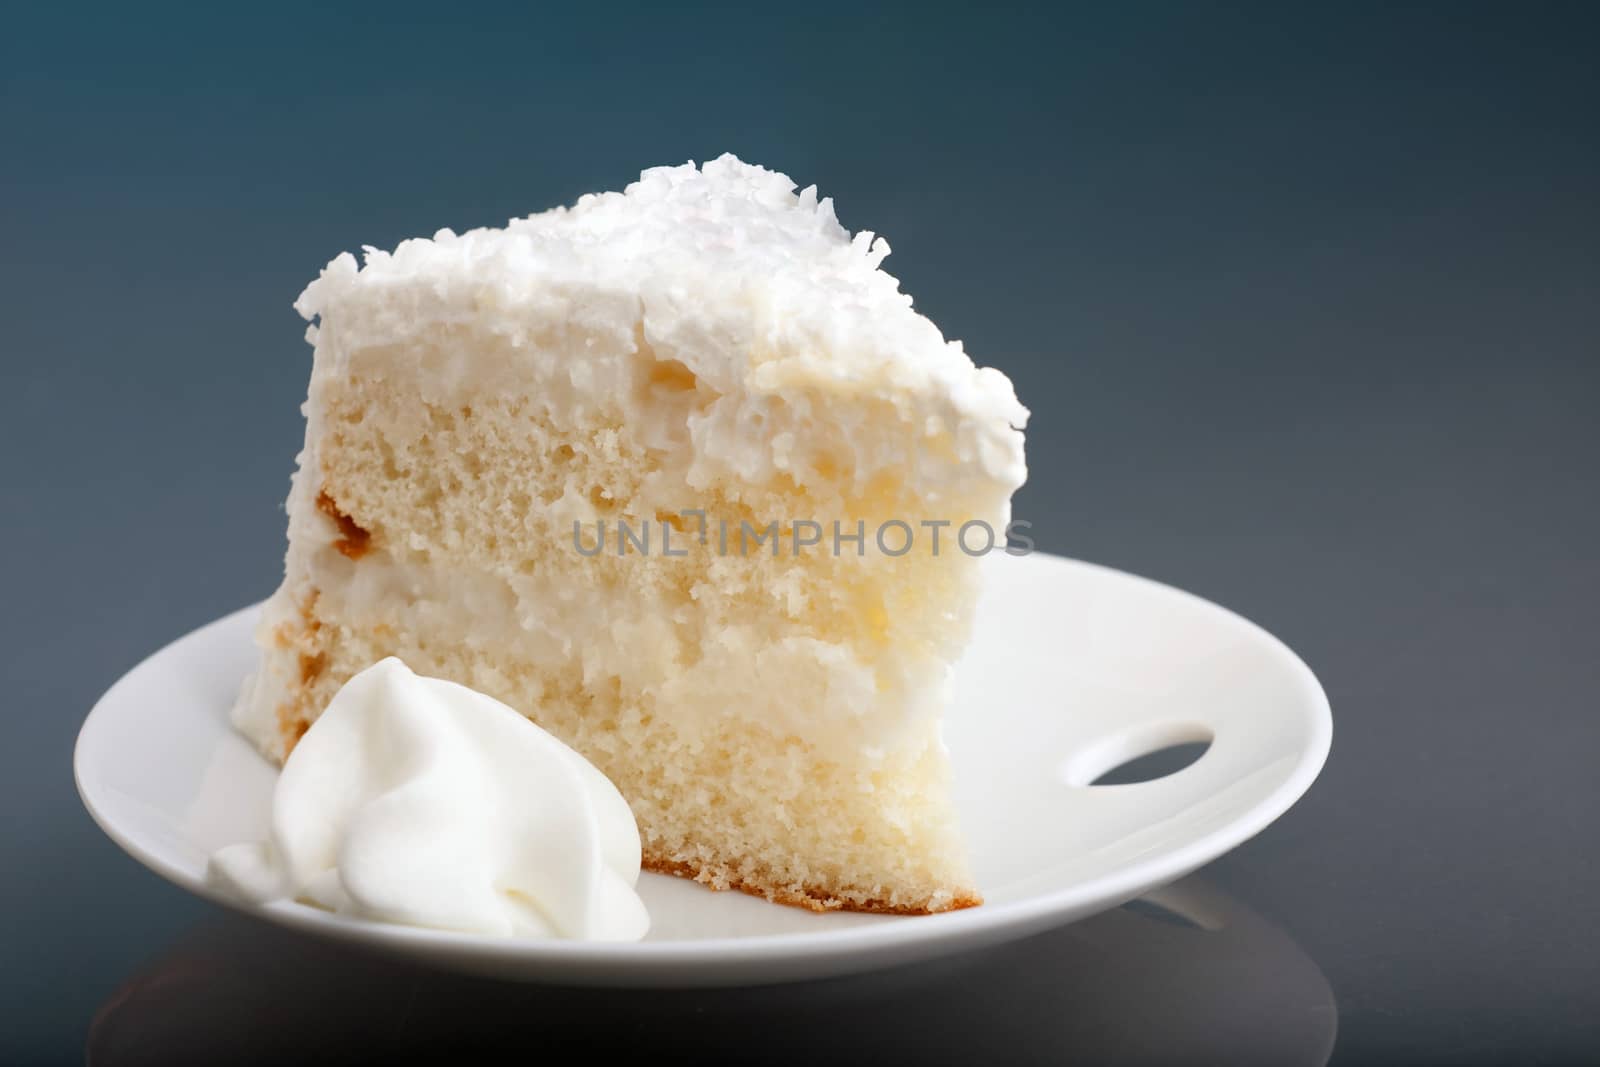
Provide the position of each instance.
(988, 922)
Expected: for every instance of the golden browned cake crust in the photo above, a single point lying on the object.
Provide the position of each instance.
(812, 898)
(353, 540)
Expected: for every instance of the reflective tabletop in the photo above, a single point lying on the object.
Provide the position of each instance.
(1188, 972)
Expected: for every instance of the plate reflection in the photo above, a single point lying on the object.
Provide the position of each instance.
(1185, 975)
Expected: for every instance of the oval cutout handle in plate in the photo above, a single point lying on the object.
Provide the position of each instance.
(1092, 763)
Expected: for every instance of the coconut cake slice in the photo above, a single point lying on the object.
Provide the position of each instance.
(678, 473)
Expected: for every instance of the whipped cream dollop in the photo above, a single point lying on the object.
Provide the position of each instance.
(419, 801)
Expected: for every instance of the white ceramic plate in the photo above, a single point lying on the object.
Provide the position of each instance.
(1074, 669)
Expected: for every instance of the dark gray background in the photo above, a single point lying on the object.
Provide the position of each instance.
(1304, 303)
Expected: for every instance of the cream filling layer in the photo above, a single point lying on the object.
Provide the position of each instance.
(819, 692)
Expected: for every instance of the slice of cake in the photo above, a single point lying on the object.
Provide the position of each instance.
(679, 474)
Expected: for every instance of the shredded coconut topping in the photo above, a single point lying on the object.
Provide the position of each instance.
(700, 248)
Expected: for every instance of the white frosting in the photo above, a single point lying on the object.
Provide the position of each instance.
(758, 290)
(415, 800)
